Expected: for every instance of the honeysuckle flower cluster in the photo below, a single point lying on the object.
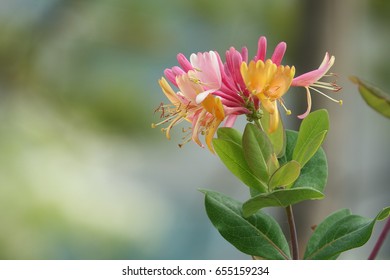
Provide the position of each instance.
(210, 91)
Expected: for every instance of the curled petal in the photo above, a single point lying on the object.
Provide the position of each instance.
(168, 91)
(304, 115)
(202, 96)
(210, 133)
(311, 77)
(196, 123)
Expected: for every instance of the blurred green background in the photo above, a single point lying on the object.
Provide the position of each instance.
(82, 174)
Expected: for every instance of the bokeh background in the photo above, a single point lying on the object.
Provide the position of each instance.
(83, 175)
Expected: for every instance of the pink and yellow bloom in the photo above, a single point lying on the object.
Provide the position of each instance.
(194, 101)
(211, 91)
(310, 80)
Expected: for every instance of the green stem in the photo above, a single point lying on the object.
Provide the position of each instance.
(293, 233)
(258, 124)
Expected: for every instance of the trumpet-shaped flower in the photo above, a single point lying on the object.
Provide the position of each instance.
(310, 80)
(211, 91)
(203, 99)
(268, 82)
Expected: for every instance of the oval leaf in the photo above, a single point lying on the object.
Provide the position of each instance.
(321, 230)
(374, 97)
(384, 214)
(311, 134)
(260, 235)
(232, 156)
(348, 232)
(285, 175)
(315, 172)
(228, 133)
(279, 198)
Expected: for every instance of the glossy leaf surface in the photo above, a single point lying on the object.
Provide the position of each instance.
(260, 235)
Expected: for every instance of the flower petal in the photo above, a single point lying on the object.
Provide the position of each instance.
(210, 133)
(230, 120)
(207, 70)
(311, 77)
(274, 119)
(196, 123)
(168, 91)
(202, 96)
(184, 63)
(279, 53)
(304, 115)
(188, 88)
(262, 49)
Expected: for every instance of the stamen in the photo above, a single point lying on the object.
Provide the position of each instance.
(195, 80)
(159, 107)
(177, 120)
(325, 86)
(320, 92)
(184, 130)
(288, 112)
(186, 138)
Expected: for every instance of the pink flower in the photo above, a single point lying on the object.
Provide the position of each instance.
(310, 80)
(206, 71)
(211, 91)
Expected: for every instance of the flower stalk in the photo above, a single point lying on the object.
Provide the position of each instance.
(380, 241)
(293, 233)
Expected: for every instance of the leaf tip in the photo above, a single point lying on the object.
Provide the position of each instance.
(384, 214)
(354, 80)
(204, 191)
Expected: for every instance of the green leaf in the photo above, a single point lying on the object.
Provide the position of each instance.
(340, 232)
(279, 198)
(258, 152)
(374, 97)
(315, 172)
(312, 133)
(232, 156)
(311, 181)
(228, 133)
(285, 175)
(278, 137)
(260, 235)
(322, 229)
(384, 214)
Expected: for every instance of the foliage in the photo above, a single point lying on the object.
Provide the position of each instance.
(376, 98)
(295, 171)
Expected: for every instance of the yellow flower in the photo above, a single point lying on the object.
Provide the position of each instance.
(268, 82)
